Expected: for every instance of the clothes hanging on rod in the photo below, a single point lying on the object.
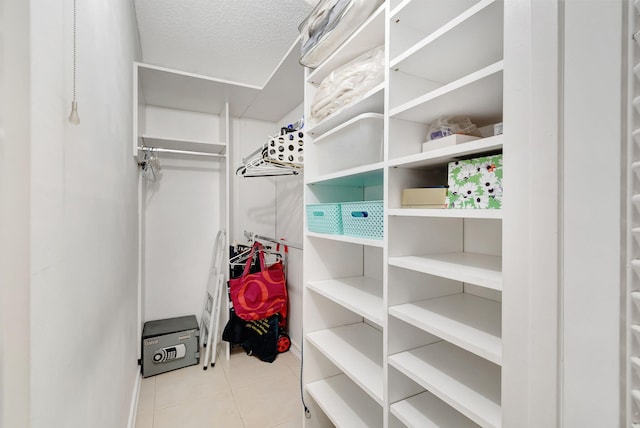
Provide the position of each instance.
(281, 155)
(150, 164)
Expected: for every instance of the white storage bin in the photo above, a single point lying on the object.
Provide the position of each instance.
(354, 143)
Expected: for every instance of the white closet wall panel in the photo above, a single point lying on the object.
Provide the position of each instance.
(253, 198)
(182, 218)
(591, 163)
(180, 124)
(289, 225)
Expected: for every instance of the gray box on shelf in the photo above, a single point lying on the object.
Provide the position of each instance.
(170, 344)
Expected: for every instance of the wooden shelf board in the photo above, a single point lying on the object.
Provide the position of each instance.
(427, 411)
(349, 239)
(356, 349)
(470, 322)
(359, 294)
(345, 404)
(478, 269)
(183, 144)
(477, 95)
(373, 102)
(445, 155)
(368, 36)
(466, 382)
(362, 176)
(446, 213)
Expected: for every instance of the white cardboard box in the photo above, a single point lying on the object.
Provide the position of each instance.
(450, 140)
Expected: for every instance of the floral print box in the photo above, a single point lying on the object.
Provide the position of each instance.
(475, 183)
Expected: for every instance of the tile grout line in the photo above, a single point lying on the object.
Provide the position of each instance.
(233, 396)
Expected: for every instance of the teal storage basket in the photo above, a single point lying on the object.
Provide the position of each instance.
(324, 218)
(363, 219)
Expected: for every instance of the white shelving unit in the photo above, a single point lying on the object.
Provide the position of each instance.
(427, 411)
(175, 110)
(359, 294)
(445, 371)
(479, 269)
(345, 403)
(356, 350)
(408, 327)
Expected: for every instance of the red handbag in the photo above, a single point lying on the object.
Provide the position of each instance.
(262, 294)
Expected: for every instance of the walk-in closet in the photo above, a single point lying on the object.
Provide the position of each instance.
(320, 213)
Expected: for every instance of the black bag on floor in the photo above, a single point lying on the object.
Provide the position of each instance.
(259, 338)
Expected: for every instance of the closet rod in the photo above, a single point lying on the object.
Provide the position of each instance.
(251, 236)
(181, 152)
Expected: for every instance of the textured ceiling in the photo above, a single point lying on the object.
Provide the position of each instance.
(242, 41)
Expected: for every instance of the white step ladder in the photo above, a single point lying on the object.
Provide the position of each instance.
(210, 319)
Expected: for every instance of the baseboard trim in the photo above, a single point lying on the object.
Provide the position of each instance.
(133, 409)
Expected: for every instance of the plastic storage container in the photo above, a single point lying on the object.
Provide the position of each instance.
(363, 219)
(354, 143)
(324, 218)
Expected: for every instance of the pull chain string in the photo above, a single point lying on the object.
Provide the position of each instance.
(74, 50)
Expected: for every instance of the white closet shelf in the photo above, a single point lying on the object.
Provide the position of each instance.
(427, 411)
(356, 349)
(378, 243)
(372, 102)
(368, 36)
(152, 141)
(445, 54)
(445, 155)
(445, 213)
(477, 95)
(362, 176)
(470, 322)
(165, 87)
(466, 382)
(359, 294)
(472, 268)
(345, 404)
(428, 15)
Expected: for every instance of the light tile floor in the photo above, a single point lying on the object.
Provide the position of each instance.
(242, 392)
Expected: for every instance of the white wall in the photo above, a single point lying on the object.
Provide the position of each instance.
(254, 198)
(83, 217)
(591, 251)
(289, 225)
(15, 193)
(270, 206)
(182, 217)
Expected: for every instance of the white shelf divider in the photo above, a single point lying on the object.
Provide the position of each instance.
(445, 155)
(359, 294)
(345, 404)
(356, 349)
(427, 411)
(445, 213)
(183, 144)
(478, 269)
(421, 59)
(365, 175)
(466, 382)
(349, 239)
(477, 95)
(470, 322)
